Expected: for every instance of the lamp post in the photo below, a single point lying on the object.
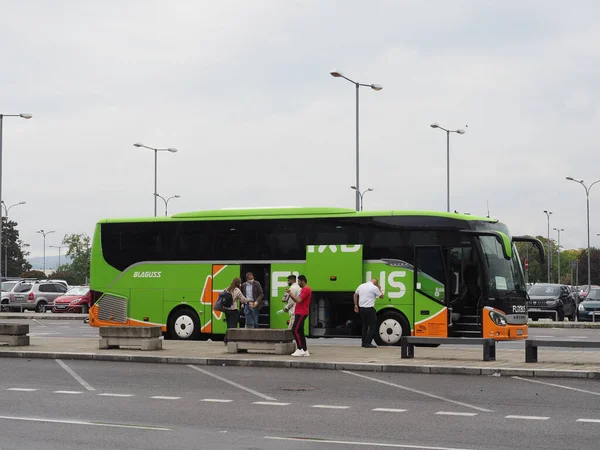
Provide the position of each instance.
(156, 150)
(375, 87)
(362, 194)
(2, 116)
(58, 247)
(44, 233)
(558, 230)
(587, 195)
(459, 131)
(167, 202)
(6, 211)
(548, 213)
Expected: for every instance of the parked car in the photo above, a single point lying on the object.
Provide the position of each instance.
(7, 286)
(553, 301)
(34, 295)
(76, 299)
(589, 308)
(583, 290)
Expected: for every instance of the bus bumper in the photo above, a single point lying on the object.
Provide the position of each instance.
(495, 326)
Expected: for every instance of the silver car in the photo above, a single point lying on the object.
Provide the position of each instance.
(35, 295)
(7, 286)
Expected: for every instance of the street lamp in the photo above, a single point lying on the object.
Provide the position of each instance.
(375, 87)
(58, 247)
(558, 230)
(587, 194)
(44, 233)
(156, 150)
(362, 194)
(459, 131)
(2, 116)
(167, 202)
(6, 211)
(549, 259)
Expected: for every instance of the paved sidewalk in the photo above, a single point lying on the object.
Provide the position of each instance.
(444, 359)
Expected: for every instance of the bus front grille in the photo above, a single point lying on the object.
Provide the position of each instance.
(112, 308)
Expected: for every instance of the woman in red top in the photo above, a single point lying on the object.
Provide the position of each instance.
(300, 314)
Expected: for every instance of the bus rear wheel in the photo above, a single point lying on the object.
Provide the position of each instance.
(391, 326)
(184, 324)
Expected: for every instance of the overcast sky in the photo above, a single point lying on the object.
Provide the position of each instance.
(242, 89)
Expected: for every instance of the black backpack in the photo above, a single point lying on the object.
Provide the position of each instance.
(226, 299)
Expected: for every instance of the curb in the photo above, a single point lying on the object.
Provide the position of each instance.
(588, 325)
(315, 365)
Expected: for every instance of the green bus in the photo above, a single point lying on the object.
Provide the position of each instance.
(443, 274)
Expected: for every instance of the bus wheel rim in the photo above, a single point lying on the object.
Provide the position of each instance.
(184, 326)
(390, 331)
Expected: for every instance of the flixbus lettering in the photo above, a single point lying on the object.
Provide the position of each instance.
(147, 274)
(279, 280)
(392, 279)
(334, 248)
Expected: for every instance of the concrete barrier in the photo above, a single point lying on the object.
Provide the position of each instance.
(280, 342)
(14, 334)
(147, 338)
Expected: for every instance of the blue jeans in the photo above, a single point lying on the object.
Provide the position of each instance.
(251, 317)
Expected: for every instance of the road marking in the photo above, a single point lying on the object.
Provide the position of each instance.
(40, 323)
(588, 420)
(330, 407)
(83, 422)
(68, 392)
(427, 394)
(232, 383)
(216, 400)
(107, 394)
(270, 403)
(389, 410)
(577, 337)
(370, 444)
(74, 375)
(558, 385)
(527, 417)
(452, 413)
(162, 397)
(22, 389)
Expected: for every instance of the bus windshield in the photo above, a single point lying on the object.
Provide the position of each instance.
(505, 277)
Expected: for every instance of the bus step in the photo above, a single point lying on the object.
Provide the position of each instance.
(466, 333)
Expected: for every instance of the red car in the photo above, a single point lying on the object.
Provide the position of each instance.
(76, 299)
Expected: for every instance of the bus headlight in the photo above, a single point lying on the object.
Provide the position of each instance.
(498, 318)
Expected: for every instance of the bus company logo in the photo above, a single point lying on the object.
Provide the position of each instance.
(333, 248)
(147, 274)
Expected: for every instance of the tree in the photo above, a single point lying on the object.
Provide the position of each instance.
(14, 250)
(538, 272)
(33, 274)
(79, 250)
(595, 261)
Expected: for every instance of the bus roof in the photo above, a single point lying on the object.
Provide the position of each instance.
(291, 212)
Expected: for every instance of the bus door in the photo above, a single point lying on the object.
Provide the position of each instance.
(430, 292)
(222, 275)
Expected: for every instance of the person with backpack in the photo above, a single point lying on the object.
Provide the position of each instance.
(230, 298)
(254, 294)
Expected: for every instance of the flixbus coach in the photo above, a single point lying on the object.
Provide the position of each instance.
(443, 274)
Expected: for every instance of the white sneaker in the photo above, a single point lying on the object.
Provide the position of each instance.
(306, 353)
(298, 352)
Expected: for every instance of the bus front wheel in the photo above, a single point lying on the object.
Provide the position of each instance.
(184, 324)
(391, 326)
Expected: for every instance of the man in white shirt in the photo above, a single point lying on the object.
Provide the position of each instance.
(291, 304)
(364, 303)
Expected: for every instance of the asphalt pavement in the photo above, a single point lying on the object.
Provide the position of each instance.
(63, 404)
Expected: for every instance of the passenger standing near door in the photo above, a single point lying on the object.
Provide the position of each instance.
(300, 314)
(291, 305)
(254, 295)
(232, 314)
(364, 303)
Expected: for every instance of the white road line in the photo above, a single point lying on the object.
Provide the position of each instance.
(68, 392)
(107, 394)
(22, 389)
(82, 422)
(527, 417)
(71, 372)
(162, 397)
(427, 394)
(216, 400)
(40, 323)
(232, 383)
(389, 410)
(577, 337)
(452, 413)
(370, 444)
(588, 420)
(330, 407)
(557, 385)
(270, 403)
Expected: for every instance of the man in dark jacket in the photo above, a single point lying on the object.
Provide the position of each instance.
(254, 292)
